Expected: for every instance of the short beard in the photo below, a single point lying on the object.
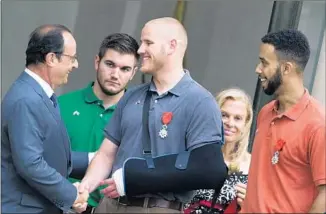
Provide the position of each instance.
(104, 90)
(274, 83)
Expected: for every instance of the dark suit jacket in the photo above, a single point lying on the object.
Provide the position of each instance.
(36, 155)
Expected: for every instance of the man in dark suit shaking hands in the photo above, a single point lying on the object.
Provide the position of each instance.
(36, 155)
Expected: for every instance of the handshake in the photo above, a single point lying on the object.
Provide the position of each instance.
(114, 189)
(80, 203)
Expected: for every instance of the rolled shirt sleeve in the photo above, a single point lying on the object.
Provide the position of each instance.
(112, 131)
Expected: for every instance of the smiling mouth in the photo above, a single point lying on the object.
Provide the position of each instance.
(146, 58)
(228, 132)
(262, 79)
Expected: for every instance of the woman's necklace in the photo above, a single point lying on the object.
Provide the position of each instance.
(234, 167)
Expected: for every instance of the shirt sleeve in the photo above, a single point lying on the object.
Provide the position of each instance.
(112, 131)
(205, 124)
(317, 156)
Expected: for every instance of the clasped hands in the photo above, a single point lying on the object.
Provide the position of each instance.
(80, 203)
(114, 189)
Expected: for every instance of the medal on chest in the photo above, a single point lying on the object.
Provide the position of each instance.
(277, 150)
(275, 157)
(165, 119)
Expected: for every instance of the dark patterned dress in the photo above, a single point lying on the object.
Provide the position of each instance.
(226, 196)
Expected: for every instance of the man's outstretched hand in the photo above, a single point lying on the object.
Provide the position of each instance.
(80, 203)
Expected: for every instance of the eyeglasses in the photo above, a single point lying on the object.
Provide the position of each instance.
(72, 58)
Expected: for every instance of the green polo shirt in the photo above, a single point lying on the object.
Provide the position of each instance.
(85, 118)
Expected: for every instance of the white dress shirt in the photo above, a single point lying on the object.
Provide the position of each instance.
(45, 86)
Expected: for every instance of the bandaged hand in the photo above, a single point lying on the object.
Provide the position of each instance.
(80, 203)
(115, 184)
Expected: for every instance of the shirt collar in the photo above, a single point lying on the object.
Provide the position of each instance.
(296, 110)
(178, 89)
(89, 95)
(45, 86)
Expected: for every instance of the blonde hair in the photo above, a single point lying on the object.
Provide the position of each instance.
(237, 94)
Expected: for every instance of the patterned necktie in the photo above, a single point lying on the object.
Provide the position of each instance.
(53, 98)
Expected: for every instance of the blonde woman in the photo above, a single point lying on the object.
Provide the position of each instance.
(237, 116)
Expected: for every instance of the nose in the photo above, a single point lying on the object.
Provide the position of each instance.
(226, 122)
(258, 69)
(229, 123)
(75, 65)
(115, 72)
(141, 49)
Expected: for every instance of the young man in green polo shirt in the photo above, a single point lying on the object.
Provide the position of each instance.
(87, 111)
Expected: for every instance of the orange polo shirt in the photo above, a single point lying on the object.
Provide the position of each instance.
(289, 186)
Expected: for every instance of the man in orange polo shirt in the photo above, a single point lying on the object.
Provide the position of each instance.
(287, 172)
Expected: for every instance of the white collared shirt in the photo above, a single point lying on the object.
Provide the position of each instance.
(45, 86)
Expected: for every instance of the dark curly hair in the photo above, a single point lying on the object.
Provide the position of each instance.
(120, 42)
(291, 45)
(43, 40)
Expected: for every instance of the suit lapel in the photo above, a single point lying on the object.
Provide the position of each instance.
(39, 90)
(54, 111)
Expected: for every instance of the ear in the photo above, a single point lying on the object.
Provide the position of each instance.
(96, 62)
(288, 67)
(173, 46)
(133, 73)
(51, 59)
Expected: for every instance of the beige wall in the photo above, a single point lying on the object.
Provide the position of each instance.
(318, 90)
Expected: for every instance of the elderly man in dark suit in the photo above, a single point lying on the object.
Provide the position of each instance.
(36, 156)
